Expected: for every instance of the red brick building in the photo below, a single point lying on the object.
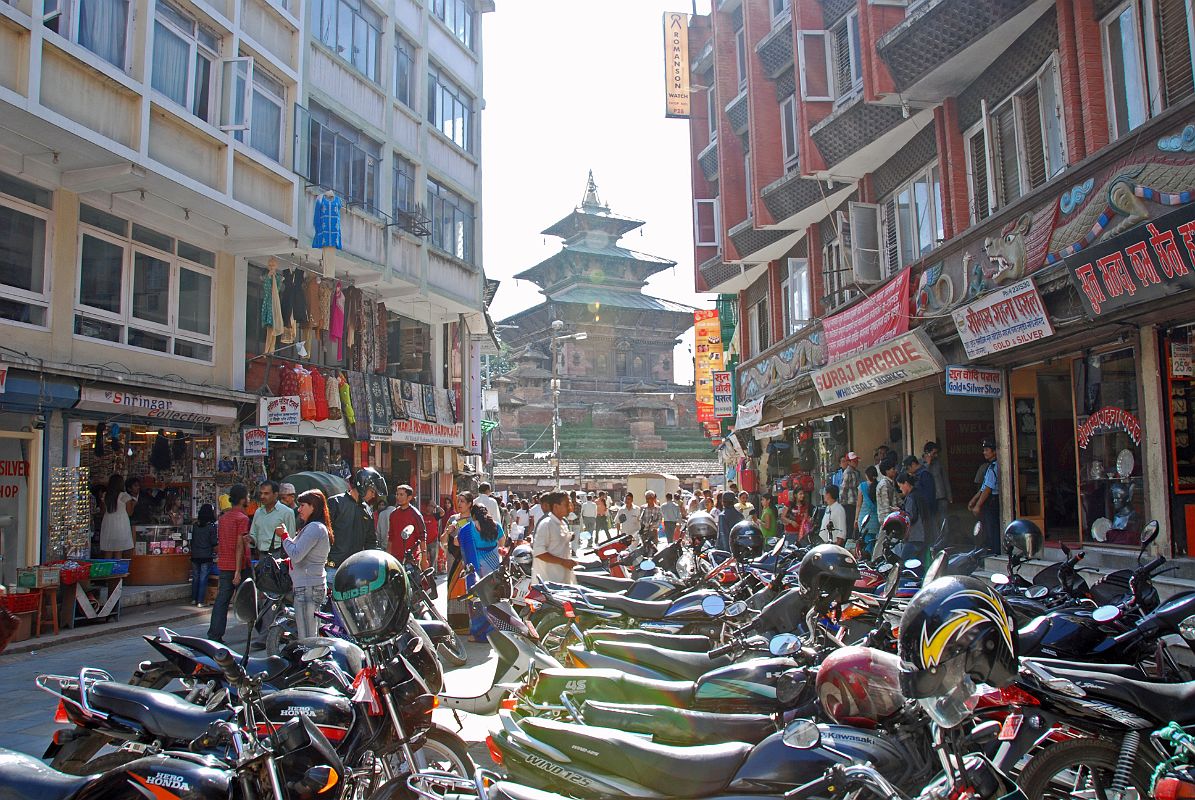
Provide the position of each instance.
(936, 216)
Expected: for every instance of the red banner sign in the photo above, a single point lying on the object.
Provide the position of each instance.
(879, 318)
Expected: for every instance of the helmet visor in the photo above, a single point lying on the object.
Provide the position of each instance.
(368, 616)
(950, 709)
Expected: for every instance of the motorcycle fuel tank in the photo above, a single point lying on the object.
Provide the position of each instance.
(331, 711)
(181, 778)
(689, 608)
(752, 683)
(774, 766)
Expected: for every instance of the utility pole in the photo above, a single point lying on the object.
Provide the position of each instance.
(555, 332)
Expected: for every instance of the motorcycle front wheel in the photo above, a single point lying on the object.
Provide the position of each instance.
(556, 636)
(1078, 768)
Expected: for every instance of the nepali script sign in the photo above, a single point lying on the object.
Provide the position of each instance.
(1149, 262)
(882, 316)
(907, 357)
(969, 381)
(1008, 317)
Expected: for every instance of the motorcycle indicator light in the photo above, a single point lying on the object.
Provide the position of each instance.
(60, 715)
(1171, 788)
(495, 753)
(508, 704)
(568, 610)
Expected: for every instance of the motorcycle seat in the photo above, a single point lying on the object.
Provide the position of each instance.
(1157, 702)
(604, 583)
(163, 714)
(673, 771)
(1120, 670)
(679, 726)
(269, 667)
(680, 664)
(28, 778)
(612, 685)
(640, 609)
(669, 641)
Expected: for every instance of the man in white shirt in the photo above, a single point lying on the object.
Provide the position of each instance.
(484, 498)
(629, 518)
(552, 546)
(589, 515)
(537, 510)
(833, 528)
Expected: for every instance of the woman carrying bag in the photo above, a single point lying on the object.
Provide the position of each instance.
(479, 548)
(308, 553)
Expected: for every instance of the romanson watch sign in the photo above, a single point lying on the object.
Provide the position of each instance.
(907, 357)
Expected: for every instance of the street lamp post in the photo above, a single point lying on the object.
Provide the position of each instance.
(557, 337)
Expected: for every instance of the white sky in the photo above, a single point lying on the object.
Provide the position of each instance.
(574, 85)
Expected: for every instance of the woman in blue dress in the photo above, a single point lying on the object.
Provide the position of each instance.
(479, 540)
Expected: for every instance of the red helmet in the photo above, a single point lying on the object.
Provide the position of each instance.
(859, 686)
(895, 526)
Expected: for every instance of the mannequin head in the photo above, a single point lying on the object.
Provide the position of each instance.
(272, 265)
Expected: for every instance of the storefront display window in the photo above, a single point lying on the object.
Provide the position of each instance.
(1108, 439)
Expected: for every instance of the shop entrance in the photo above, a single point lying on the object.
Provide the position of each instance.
(1043, 431)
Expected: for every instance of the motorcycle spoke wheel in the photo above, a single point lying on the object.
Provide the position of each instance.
(444, 752)
(1079, 769)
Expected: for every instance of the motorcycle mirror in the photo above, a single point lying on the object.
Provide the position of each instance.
(1036, 592)
(782, 644)
(736, 609)
(893, 581)
(863, 522)
(1186, 628)
(1149, 533)
(802, 734)
(713, 605)
(244, 602)
(647, 565)
(1066, 551)
(407, 531)
(779, 546)
(316, 653)
(977, 531)
(1106, 613)
(1000, 579)
(913, 564)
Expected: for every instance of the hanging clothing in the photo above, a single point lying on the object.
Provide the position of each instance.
(327, 222)
(325, 304)
(297, 296)
(363, 353)
(332, 392)
(306, 394)
(336, 327)
(288, 383)
(271, 302)
(319, 390)
(311, 291)
(346, 401)
(381, 339)
(353, 318)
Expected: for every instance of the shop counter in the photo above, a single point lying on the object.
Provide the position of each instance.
(159, 570)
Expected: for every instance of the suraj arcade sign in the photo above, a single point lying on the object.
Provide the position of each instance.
(1149, 262)
(907, 357)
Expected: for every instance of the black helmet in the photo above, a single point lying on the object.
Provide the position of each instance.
(895, 526)
(956, 632)
(1025, 536)
(370, 478)
(702, 526)
(746, 540)
(828, 572)
(372, 596)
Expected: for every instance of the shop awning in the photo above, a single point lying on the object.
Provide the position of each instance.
(30, 392)
(158, 408)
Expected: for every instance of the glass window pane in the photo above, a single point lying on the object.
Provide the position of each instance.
(194, 302)
(327, 22)
(939, 230)
(16, 187)
(18, 311)
(172, 56)
(103, 220)
(149, 341)
(103, 27)
(152, 238)
(151, 289)
(905, 224)
(1124, 58)
(201, 104)
(925, 216)
(344, 31)
(200, 352)
(265, 126)
(197, 254)
(97, 329)
(22, 250)
(100, 271)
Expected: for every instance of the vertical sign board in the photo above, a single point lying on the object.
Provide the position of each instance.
(707, 359)
(723, 394)
(676, 64)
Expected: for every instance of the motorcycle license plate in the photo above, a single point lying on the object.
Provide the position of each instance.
(1011, 727)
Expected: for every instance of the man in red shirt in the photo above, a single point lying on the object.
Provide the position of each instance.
(232, 556)
(403, 515)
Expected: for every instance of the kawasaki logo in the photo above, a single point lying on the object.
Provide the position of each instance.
(168, 781)
(360, 591)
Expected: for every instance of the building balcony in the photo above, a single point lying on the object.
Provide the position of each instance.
(776, 49)
(750, 240)
(729, 278)
(834, 10)
(704, 60)
(943, 45)
(796, 201)
(708, 160)
(860, 136)
(736, 112)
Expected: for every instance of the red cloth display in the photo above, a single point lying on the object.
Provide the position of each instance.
(319, 387)
(306, 394)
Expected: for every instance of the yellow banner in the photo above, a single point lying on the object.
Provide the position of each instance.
(707, 359)
(676, 64)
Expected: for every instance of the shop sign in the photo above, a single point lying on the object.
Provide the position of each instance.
(413, 431)
(1149, 262)
(255, 442)
(707, 359)
(676, 64)
(881, 317)
(723, 394)
(3, 377)
(1180, 360)
(968, 381)
(120, 401)
(750, 413)
(1006, 318)
(1106, 420)
(282, 410)
(908, 357)
(769, 431)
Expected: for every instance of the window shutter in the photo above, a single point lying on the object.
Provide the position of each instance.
(814, 65)
(891, 239)
(1174, 50)
(979, 176)
(865, 242)
(236, 93)
(843, 79)
(1004, 151)
(1035, 154)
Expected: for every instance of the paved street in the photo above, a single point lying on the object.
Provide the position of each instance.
(29, 722)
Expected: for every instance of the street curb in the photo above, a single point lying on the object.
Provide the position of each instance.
(127, 622)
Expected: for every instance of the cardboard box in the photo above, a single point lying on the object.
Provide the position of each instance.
(25, 628)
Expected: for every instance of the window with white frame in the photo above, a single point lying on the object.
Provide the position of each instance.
(779, 7)
(404, 184)
(332, 154)
(1018, 145)
(404, 70)
(143, 288)
(711, 103)
(101, 26)
(788, 132)
(795, 295)
(706, 223)
(912, 219)
(353, 30)
(450, 108)
(848, 67)
(837, 272)
(740, 55)
(252, 105)
(458, 16)
(1148, 57)
(452, 221)
(25, 217)
(184, 52)
(758, 330)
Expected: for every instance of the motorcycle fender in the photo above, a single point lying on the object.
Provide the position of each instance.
(1036, 724)
(435, 629)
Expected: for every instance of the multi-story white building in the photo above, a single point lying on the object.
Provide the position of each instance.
(154, 156)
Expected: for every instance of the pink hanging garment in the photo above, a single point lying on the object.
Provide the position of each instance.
(336, 322)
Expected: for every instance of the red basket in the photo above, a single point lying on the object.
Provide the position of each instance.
(22, 603)
(81, 571)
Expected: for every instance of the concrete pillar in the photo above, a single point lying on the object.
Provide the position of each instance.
(1153, 450)
(1004, 449)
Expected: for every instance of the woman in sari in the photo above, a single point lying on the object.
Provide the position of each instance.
(457, 609)
(479, 548)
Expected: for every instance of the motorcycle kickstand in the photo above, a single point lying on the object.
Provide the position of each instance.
(460, 723)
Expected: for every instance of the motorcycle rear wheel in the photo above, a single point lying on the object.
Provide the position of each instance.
(1066, 769)
(556, 636)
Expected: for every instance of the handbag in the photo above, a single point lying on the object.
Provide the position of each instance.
(271, 575)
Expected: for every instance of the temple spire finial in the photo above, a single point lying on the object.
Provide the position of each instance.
(591, 199)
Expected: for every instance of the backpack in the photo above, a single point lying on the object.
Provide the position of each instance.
(272, 576)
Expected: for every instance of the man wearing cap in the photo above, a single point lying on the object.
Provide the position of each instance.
(286, 496)
(985, 505)
(848, 490)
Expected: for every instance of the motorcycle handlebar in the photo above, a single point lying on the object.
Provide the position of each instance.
(1149, 568)
(232, 670)
(723, 650)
